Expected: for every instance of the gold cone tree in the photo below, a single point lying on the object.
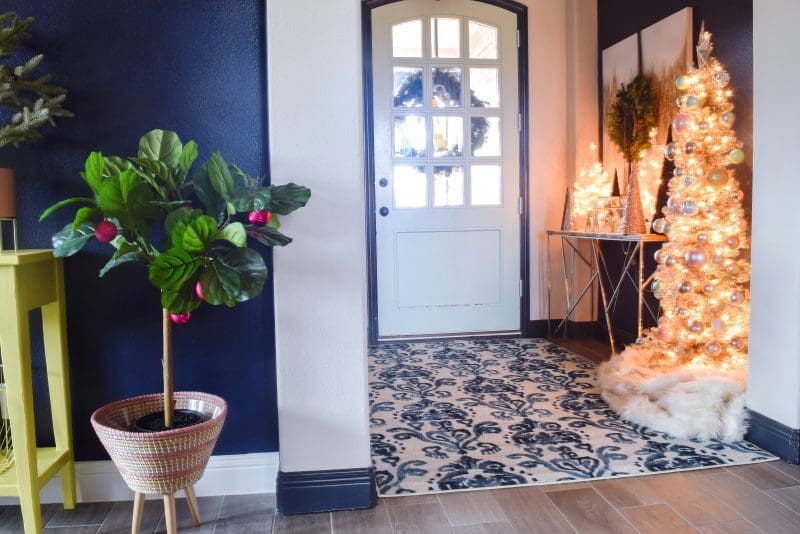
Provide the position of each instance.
(703, 272)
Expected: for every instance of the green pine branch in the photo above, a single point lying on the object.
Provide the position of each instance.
(34, 101)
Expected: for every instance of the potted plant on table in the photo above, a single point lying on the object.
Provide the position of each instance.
(30, 102)
(161, 443)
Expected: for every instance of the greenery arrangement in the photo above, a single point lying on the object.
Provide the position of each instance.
(202, 225)
(33, 101)
(632, 116)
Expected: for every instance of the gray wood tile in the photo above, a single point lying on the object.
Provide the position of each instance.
(92, 529)
(764, 476)
(485, 528)
(732, 527)
(790, 469)
(529, 510)
(410, 499)
(119, 519)
(689, 501)
(92, 513)
(260, 524)
(418, 519)
(470, 507)
(375, 520)
(11, 517)
(302, 524)
(657, 518)
(789, 497)
(587, 511)
(209, 511)
(752, 504)
(628, 491)
(247, 506)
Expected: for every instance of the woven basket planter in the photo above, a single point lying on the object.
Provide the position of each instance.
(160, 462)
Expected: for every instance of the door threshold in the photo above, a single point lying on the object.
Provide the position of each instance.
(498, 334)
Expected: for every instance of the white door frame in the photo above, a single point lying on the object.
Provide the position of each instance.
(521, 11)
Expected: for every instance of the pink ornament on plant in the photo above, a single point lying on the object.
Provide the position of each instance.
(259, 217)
(180, 318)
(105, 231)
(198, 290)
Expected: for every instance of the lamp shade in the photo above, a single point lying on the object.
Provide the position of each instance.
(8, 206)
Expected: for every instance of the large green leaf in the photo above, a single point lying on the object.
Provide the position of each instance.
(220, 176)
(115, 165)
(187, 157)
(208, 195)
(199, 233)
(93, 173)
(268, 236)
(181, 300)
(161, 145)
(67, 241)
(234, 234)
(183, 216)
(83, 215)
(284, 199)
(128, 198)
(251, 199)
(234, 275)
(58, 205)
(172, 268)
(126, 252)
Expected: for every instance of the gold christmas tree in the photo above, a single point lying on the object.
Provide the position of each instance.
(703, 273)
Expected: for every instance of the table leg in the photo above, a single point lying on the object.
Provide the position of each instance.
(138, 507)
(641, 289)
(547, 271)
(600, 266)
(170, 520)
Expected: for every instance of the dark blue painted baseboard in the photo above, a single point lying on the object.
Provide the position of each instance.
(305, 492)
(774, 437)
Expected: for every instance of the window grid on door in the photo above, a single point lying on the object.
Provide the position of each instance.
(457, 172)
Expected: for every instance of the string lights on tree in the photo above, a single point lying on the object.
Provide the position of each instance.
(691, 368)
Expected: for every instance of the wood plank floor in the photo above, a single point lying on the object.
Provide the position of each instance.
(758, 498)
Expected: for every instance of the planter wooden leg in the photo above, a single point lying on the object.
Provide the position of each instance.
(169, 514)
(191, 499)
(138, 506)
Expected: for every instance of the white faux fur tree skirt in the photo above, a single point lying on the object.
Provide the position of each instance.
(686, 402)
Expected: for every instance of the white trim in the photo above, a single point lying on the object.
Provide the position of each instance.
(234, 474)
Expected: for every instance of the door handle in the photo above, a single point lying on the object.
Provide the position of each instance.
(384, 211)
(383, 182)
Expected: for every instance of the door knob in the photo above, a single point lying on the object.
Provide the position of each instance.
(383, 182)
(384, 211)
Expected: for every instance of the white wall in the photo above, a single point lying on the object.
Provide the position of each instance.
(774, 374)
(315, 119)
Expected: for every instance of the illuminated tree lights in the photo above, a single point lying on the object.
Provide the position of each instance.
(702, 274)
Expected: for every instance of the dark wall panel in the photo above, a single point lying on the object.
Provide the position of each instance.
(193, 66)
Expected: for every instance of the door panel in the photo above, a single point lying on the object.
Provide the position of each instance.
(446, 144)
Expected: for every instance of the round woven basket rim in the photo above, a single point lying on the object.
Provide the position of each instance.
(150, 436)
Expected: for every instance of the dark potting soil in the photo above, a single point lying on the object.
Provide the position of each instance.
(154, 422)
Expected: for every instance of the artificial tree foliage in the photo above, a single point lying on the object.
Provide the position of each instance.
(32, 100)
(201, 224)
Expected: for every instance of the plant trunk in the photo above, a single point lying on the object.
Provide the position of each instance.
(166, 364)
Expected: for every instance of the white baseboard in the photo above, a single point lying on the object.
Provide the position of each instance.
(234, 474)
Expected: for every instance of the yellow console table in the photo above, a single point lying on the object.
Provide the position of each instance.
(31, 279)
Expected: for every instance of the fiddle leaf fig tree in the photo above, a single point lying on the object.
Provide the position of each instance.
(201, 220)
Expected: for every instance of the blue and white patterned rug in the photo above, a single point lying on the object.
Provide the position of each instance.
(461, 415)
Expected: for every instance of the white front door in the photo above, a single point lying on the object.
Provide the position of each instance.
(446, 134)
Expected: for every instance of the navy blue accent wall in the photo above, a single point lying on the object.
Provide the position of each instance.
(731, 24)
(193, 66)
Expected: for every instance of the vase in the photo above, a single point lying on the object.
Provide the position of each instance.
(632, 213)
(8, 205)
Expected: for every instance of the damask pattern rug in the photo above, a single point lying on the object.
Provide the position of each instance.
(460, 415)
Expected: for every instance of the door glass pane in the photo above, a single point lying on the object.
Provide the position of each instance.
(482, 41)
(407, 87)
(486, 186)
(409, 136)
(445, 38)
(448, 186)
(410, 186)
(407, 39)
(484, 87)
(485, 136)
(448, 136)
(446, 87)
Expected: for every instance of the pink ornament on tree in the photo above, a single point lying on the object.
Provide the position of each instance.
(180, 318)
(105, 231)
(681, 123)
(259, 217)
